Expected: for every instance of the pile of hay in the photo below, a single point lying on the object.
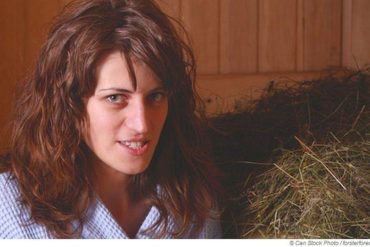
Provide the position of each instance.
(280, 187)
(321, 191)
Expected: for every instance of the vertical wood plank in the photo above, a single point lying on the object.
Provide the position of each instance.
(170, 7)
(11, 62)
(322, 44)
(347, 59)
(12, 37)
(201, 19)
(300, 36)
(361, 33)
(238, 36)
(39, 15)
(63, 3)
(277, 40)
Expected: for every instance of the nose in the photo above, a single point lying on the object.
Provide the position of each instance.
(137, 117)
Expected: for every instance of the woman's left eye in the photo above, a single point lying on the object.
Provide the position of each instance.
(157, 97)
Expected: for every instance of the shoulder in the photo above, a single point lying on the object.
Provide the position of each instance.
(9, 192)
(9, 206)
(212, 226)
(8, 189)
(14, 217)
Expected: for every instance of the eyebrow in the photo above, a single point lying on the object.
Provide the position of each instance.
(115, 89)
(122, 90)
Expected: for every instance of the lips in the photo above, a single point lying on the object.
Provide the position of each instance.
(134, 144)
(136, 148)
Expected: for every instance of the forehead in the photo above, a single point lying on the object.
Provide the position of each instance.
(114, 69)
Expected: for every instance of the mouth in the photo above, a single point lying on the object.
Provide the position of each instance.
(135, 147)
(133, 144)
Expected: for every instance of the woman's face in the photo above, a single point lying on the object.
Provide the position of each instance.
(125, 122)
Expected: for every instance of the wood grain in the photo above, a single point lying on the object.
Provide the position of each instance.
(322, 34)
(300, 36)
(222, 93)
(11, 62)
(39, 15)
(277, 39)
(361, 33)
(238, 36)
(170, 7)
(347, 59)
(201, 19)
(63, 3)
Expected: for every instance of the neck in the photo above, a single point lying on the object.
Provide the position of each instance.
(110, 183)
(113, 188)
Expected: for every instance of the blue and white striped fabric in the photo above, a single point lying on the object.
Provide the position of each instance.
(15, 220)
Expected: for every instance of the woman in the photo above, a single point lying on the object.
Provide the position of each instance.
(107, 141)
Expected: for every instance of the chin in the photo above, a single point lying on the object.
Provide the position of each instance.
(133, 170)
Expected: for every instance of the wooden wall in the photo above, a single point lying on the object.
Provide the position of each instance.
(240, 45)
(243, 44)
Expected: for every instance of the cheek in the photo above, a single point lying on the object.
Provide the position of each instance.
(163, 115)
(158, 119)
(100, 124)
(103, 123)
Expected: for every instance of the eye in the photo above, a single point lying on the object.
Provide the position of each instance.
(115, 98)
(157, 97)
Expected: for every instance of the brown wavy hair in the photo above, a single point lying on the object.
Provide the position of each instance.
(49, 157)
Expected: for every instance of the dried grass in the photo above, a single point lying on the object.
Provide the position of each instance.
(320, 191)
(296, 161)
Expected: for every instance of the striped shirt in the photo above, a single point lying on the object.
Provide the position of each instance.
(16, 223)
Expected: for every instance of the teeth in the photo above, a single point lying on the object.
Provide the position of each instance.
(133, 145)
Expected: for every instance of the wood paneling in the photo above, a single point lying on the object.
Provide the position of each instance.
(360, 45)
(173, 9)
(223, 93)
(201, 19)
(63, 3)
(238, 36)
(39, 15)
(12, 42)
(170, 7)
(322, 34)
(11, 61)
(277, 35)
(347, 59)
(300, 36)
